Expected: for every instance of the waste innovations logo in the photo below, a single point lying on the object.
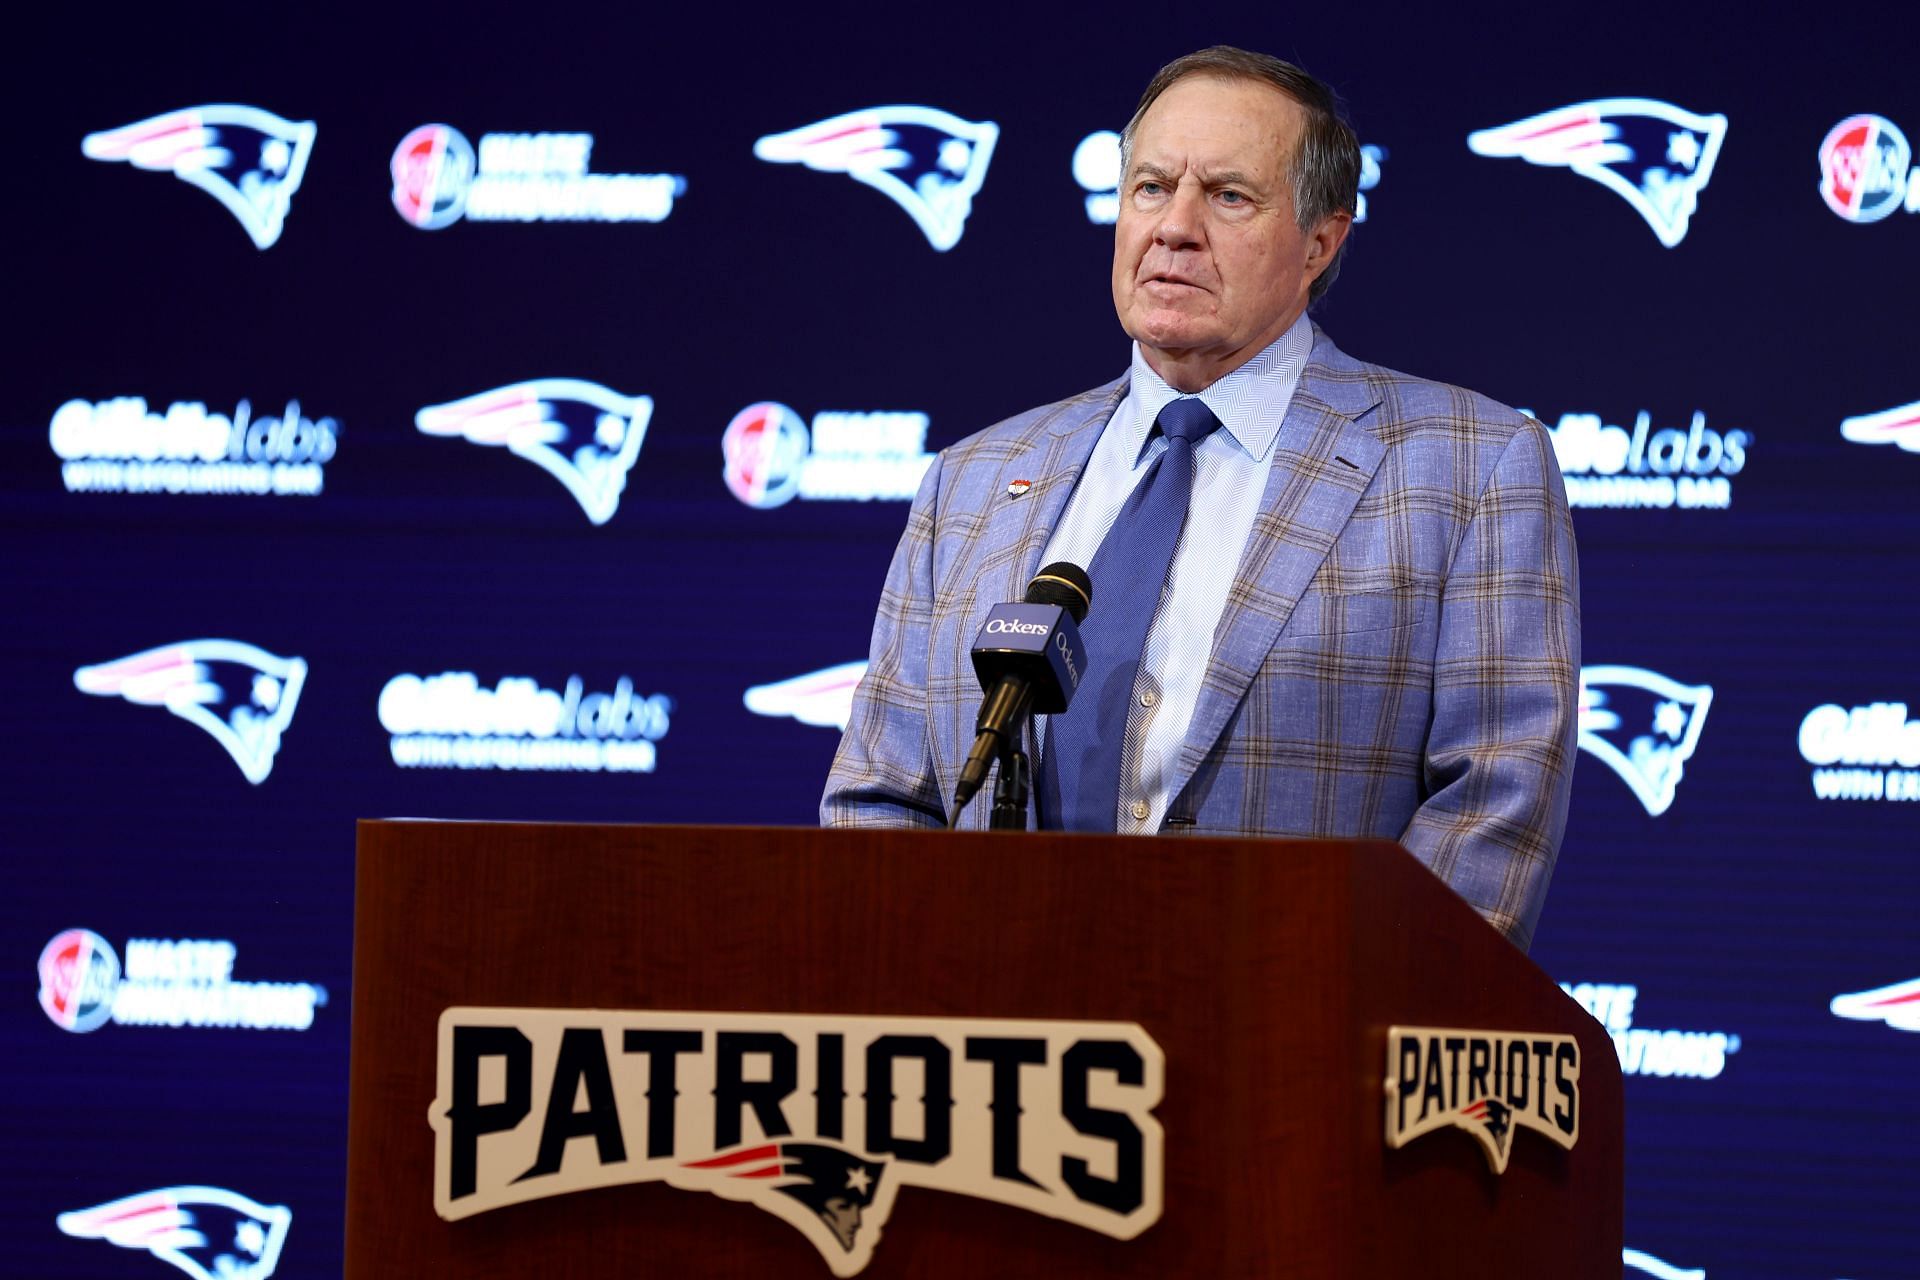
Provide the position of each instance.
(249, 160)
(1863, 752)
(1897, 1005)
(123, 446)
(1643, 726)
(1899, 426)
(239, 693)
(823, 697)
(1096, 167)
(1864, 169)
(1488, 1083)
(1051, 1117)
(1609, 466)
(1654, 155)
(210, 1233)
(580, 433)
(770, 457)
(452, 721)
(929, 162)
(1695, 1055)
(519, 177)
(185, 982)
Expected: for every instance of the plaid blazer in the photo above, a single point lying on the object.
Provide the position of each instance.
(1399, 655)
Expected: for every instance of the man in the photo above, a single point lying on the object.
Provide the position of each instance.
(1361, 617)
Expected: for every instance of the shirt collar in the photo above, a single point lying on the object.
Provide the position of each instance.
(1250, 402)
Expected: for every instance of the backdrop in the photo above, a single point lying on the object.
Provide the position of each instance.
(509, 413)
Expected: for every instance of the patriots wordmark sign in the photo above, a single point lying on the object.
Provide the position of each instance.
(818, 1120)
(1489, 1083)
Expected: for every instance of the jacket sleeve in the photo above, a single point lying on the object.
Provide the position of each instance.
(883, 774)
(1500, 752)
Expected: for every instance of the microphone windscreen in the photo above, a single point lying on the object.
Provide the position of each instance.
(1064, 584)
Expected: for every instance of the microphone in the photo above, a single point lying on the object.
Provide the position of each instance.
(1029, 658)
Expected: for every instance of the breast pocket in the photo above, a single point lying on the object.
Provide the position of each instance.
(1346, 613)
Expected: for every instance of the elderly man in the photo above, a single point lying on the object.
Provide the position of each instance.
(1328, 599)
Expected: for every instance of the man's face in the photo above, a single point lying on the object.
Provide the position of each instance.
(1209, 262)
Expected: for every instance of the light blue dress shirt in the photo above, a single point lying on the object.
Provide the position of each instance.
(1230, 474)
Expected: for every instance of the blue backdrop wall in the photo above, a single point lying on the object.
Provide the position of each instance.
(508, 413)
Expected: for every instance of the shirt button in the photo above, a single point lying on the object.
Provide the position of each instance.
(1148, 697)
(1140, 811)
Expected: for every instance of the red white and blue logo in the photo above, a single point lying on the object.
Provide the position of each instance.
(1654, 155)
(823, 697)
(580, 433)
(1643, 726)
(765, 448)
(1865, 169)
(1899, 426)
(79, 974)
(432, 169)
(1898, 1005)
(249, 160)
(208, 1232)
(240, 694)
(929, 162)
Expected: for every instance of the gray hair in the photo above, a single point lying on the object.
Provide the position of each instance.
(1324, 169)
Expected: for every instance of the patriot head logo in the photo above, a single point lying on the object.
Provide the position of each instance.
(1653, 154)
(1658, 1269)
(1659, 719)
(927, 161)
(242, 695)
(79, 974)
(1863, 168)
(580, 433)
(249, 160)
(765, 447)
(1491, 1121)
(823, 697)
(208, 1232)
(1898, 1005)
(432, 170)
(1890, 426)
(834, 1197)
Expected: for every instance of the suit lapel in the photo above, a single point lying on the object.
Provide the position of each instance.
(1323, 461)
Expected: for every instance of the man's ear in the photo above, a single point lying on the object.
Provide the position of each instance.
(1325, 242)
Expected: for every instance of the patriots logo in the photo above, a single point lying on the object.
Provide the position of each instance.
(249, 160)
(823, 697)
(1898, 1005)
(208, 1232)
(1653, 154)
(1674, 714)
(1491, 1121)
(821, 1189)
(1891, 426)
(242, 695)
(927, 161)
(1647, 1263)
(580, 433)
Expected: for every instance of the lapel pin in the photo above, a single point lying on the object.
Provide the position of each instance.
(1018, 488)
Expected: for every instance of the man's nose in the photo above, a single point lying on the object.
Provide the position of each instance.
(1182, 218)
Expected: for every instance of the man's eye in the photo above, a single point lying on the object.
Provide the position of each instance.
(1149, 188)
(1232, 197)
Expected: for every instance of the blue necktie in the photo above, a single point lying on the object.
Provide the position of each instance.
(1080, 770)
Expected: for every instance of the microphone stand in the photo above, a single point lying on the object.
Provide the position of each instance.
(1011, 788)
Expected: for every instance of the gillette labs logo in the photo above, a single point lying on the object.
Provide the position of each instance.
(186, 982)
(452, 721)
(1862, 753)
(520, 177)
(770, 457)
(1640, 468)
(122, 446)
(1697, 1055)
(1096, 167)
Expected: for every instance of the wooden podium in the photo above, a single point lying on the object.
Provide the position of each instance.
(1268, 973)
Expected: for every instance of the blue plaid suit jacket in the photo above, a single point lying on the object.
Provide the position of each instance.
(1399, 655)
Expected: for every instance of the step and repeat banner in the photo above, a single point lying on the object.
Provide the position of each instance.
(510, 414)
